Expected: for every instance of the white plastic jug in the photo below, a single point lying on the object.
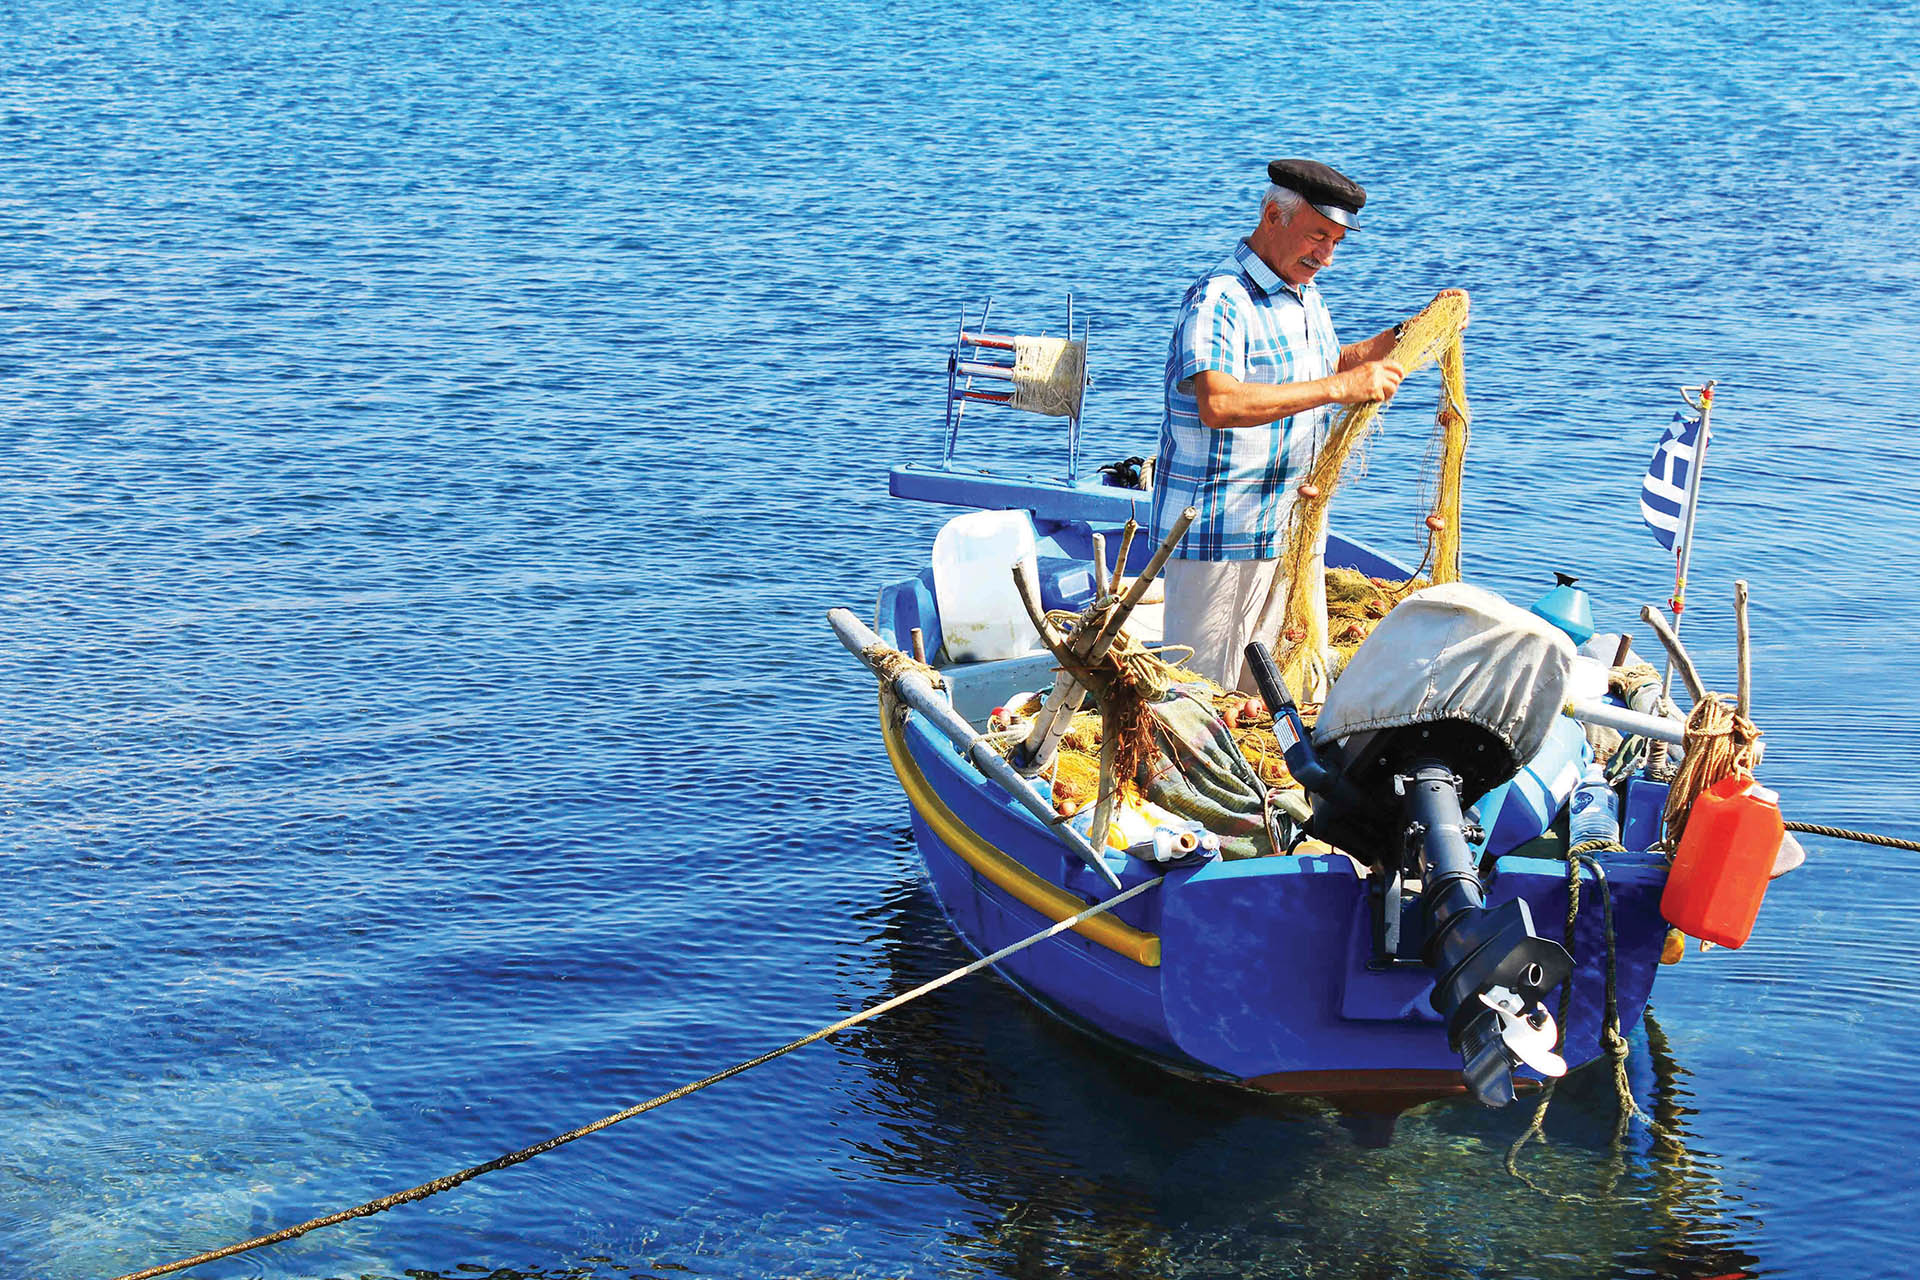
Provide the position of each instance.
(981, 616)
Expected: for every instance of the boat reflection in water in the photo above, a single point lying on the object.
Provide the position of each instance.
(1084, 1162)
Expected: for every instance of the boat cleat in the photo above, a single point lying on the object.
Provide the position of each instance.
(1529, 1034)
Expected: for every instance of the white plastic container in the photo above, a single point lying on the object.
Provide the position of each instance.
(981, 617)
(1586, 680)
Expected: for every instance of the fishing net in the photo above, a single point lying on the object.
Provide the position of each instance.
(1433, 336)
(1184, 744)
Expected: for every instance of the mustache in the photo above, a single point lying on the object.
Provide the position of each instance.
(1318, 264)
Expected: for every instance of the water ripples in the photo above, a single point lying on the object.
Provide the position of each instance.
(435, 437)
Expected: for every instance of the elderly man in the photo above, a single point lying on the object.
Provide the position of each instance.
(1251, 377)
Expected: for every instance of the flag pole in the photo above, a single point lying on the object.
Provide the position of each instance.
(1683, 549)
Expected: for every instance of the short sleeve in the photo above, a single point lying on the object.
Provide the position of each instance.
(1212, 334)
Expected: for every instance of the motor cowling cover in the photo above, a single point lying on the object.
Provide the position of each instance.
(1455, 653)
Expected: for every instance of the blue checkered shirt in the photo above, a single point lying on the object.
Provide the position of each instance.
(1243, 320)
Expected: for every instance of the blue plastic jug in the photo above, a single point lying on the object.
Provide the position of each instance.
(1567, 607)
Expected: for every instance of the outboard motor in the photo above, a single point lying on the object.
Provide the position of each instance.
(1452, 693)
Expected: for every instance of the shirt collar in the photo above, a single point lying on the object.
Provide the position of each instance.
(1263, 276)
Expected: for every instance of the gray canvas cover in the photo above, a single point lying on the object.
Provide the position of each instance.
(1454, 652)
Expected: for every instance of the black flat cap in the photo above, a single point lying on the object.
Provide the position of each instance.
(1332, 193)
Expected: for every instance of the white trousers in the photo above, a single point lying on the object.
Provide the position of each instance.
(1217, 607)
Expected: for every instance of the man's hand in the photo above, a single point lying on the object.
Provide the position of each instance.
(1461, 294)
(1374, 380)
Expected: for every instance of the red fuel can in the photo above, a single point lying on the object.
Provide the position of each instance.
(1726, 856)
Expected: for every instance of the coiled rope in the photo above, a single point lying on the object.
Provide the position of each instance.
(1049, 376)
(453, 1180)
(1721, 743)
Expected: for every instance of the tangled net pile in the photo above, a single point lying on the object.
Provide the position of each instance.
(1134, 679)
(1355, 603)
(1432, 336)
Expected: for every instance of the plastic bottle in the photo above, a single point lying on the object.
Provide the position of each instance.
(1595, 814)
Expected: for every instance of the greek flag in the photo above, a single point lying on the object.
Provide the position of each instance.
(1663, 494)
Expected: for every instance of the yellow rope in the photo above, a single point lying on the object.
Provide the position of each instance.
(890, 664)
(1432, 336)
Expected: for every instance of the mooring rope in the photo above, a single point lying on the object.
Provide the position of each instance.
(452, 1180)
(1864, 837)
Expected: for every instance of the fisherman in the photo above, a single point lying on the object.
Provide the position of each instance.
(1252, 374)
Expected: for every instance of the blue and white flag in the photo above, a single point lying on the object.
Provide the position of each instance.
(1663, 494)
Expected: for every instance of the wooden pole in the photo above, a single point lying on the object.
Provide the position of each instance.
(1057, 716)
(1109, 788)
(1126, 545)
(1676, 653)
(1100, 587)
(1744, 706)
(1138, 591)
(1683, 549)
(912, 687)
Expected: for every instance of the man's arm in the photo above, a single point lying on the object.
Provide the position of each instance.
(1378, 347)
(1225, 401)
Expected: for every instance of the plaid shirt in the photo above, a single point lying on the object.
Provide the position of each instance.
(1243, 320)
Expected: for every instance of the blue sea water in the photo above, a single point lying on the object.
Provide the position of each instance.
(433, 436)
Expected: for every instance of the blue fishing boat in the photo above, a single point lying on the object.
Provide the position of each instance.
(1401, 932)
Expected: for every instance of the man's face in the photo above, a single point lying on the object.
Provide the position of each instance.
(1304, 247)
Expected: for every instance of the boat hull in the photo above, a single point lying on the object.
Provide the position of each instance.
(1260, 972)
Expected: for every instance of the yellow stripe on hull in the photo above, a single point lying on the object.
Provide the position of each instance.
(1004, 872)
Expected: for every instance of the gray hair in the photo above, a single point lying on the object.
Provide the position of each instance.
(1285, 199)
